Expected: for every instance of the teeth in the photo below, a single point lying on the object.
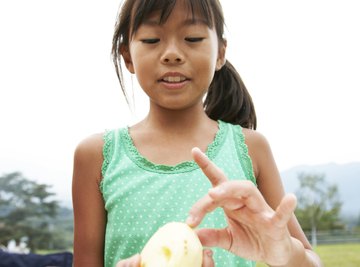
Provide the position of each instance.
(174, 79)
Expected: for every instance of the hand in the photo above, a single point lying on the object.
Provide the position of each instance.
(254, 231)
(135, 261)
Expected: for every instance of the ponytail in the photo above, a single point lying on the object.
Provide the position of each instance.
(229, 100)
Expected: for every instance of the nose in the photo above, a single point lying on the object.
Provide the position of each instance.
(172, 54)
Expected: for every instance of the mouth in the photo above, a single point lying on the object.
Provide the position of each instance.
(173, 78)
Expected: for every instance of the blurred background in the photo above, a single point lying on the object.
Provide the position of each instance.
(300, 61)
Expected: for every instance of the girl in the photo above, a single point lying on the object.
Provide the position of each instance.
(129, 182)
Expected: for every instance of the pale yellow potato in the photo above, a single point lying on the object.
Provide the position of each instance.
(174, 245)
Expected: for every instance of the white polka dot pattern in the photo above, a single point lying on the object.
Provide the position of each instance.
(141, 196)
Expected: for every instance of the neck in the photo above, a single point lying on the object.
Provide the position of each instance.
(169, 131)
(177, 120)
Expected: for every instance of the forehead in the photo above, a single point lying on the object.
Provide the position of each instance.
(158, 11)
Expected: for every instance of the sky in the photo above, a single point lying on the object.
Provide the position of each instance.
(300, 60)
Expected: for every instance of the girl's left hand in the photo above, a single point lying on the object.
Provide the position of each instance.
(254, 231)
(133, 261)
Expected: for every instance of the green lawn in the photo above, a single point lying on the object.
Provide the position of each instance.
(343, 255)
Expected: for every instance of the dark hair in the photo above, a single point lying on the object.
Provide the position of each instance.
(227, 98)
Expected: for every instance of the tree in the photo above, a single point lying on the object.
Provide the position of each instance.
(25, 210)
(318, 204)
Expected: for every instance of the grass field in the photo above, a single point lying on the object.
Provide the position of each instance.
(340, 255)
(343, 255)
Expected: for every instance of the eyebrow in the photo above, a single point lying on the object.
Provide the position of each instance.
(187, 22)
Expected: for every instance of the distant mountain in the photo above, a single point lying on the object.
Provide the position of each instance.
(345, 176)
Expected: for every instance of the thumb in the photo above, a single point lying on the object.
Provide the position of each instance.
(208, 261)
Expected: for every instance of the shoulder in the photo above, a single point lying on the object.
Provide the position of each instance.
(88, 155)
(258, 147)
(90, 146)
(254, 138)
(256, 142)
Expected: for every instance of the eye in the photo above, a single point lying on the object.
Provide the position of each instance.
(150, 40)
(194, 39)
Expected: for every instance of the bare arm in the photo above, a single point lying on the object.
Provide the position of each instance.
(89, 212)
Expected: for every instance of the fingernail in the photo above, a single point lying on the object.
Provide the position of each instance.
(209, 253)
(190, 220)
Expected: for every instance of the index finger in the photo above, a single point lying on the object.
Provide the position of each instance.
(213, 172)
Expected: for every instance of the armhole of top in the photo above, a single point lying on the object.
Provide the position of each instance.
(108, 138)
(243, 154)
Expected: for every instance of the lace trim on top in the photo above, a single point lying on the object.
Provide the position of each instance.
(186, 166)
(107, 154)
(245, 159)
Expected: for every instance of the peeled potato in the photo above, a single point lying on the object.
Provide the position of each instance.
(174, 245)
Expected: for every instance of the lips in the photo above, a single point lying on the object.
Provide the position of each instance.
(173, 78)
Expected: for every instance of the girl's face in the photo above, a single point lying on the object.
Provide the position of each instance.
(174, 62)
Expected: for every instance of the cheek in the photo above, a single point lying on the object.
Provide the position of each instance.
(138, 55)
(142, 65)
(209, 64)
(144, 72)
(210, 57)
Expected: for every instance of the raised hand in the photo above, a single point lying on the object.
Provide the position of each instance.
(255, 231)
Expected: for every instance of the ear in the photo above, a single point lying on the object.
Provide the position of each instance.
(220, 62)
(125, 53)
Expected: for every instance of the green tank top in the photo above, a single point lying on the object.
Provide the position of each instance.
(141, 196)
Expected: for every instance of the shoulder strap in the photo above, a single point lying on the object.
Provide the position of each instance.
(243, 153)
(108, 149)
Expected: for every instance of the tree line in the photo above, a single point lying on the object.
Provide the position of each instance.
(29, 210)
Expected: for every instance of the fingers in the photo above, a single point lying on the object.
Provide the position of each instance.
(133, 261)
(231, 195)
(285, 210)
(207, 258)
(215, 237)
(198, 211)
(242, 191)
(223, 187)
(215, 175)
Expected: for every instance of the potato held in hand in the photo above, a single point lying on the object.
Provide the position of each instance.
(173, 245)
